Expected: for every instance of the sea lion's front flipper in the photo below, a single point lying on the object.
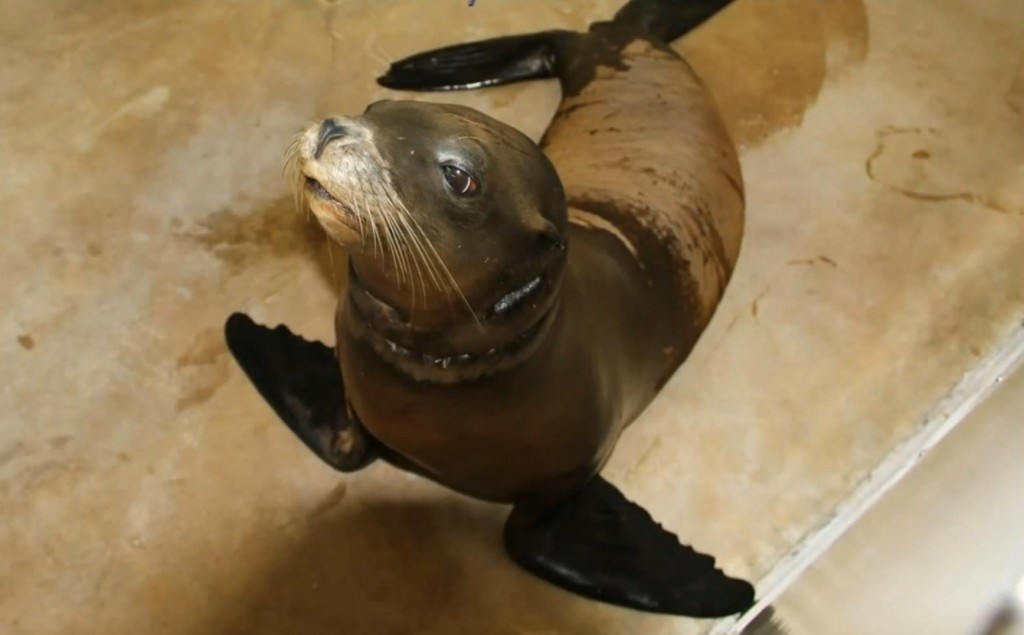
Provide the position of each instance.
(301, 381)
(600, 545)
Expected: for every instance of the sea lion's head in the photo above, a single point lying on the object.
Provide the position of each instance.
(439, 206)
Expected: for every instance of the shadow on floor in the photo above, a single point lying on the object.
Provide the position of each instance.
(245, 238)
(423, 567)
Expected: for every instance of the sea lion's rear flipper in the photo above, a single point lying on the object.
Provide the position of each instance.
(515, 58)
(667, 20)
(502, 60)
(600, 545)
(301, 381)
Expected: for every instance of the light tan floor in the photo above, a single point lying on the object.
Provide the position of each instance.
(146, 488)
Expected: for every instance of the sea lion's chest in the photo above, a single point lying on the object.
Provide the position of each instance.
(552, 419)
(492, 437)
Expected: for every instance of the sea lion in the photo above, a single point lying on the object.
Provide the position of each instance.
(512, 307)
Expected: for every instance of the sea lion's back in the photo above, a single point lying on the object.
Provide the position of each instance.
(641, 146)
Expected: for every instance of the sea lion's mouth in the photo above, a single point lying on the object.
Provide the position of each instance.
(319, 196)
(336, 217)
(318, 190)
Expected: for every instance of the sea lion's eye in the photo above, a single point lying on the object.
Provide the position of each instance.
(460, 182)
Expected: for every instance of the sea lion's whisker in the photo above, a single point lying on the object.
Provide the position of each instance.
(394, 213)
(403, 251)
(388, 214)
(362, 234)
(424, 258)
(378, 244)
(386, 232)
(392, 243)
(371, 195)
(418, 255)
(369, 210)
(422, 252)
(291, 155)
(452, 284)
(363, 210)
(451, 279)
(350, 209)
(334, 271)
(408, 256)
(297, 181)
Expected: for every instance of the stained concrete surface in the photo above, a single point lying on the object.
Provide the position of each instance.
(144, 485)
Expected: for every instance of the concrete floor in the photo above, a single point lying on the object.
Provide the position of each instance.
(145, 487)
(942, 552)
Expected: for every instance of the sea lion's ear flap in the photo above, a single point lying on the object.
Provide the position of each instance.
(549, 235)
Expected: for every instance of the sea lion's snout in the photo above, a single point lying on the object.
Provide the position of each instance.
(330, 162)
(329, 135)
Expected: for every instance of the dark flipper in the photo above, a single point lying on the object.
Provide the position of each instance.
(516, 58)
(667, 20)
(501, 60)
(301, 381)
(600, 545)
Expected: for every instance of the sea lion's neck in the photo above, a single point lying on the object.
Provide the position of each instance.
(451, 344)
(405, 299)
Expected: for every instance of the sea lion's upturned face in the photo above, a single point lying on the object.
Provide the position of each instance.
(427, 197)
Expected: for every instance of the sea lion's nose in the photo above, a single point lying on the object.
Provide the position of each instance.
(330, 130)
